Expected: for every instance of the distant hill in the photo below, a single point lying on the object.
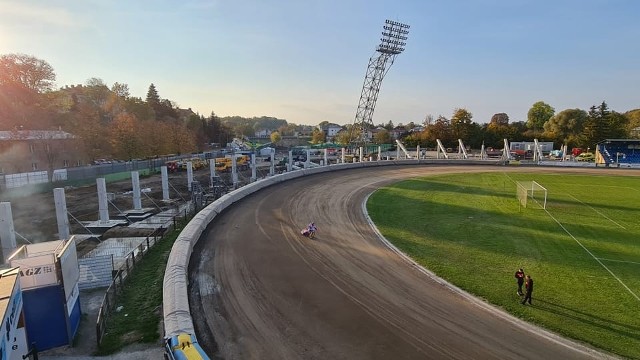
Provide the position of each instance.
(263, 122)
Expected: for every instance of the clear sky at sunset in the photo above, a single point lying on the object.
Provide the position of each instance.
(305, 60)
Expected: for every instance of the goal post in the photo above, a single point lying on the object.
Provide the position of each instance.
(529, 192)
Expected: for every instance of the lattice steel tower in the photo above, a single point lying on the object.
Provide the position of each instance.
(391, 44)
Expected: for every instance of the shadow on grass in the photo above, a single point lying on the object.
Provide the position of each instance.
(397, 213)
(506, 190)
(630, 331)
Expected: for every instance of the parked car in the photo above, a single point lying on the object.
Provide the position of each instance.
(586, 156)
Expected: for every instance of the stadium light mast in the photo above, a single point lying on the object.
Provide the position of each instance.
(391, 44)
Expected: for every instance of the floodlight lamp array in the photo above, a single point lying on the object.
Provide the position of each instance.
(393, 37)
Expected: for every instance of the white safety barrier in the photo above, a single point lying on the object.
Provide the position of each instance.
(177, 316)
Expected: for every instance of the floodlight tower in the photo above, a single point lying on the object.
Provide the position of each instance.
(391, 44)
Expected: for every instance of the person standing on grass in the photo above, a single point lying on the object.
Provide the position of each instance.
(520, 279)
(529, 286)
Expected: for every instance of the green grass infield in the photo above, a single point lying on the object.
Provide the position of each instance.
(583, 250)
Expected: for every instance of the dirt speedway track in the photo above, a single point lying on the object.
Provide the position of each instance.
(259, 290)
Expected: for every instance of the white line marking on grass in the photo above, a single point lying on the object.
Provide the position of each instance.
(596, 210)
(585, 249)
(622, 261)
(477, 301)
(593, 256)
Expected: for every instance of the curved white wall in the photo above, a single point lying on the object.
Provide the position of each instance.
(177, 316)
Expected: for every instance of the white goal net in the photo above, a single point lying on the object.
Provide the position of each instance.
(530, 193)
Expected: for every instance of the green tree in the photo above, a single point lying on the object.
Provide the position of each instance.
(461, 124)
(389, 126)
(440, 129)
(499, 119)
(594, 127)
(633, 122)
(164, 109)
(318, 136)
(499, 129)
(25, 82)
(217, 132)
(601, 124)
(344, 137)
(139, 108)
(121, 90)
(97, 94)
(538, 115)
(26, 71)
(153, 99)
(565, 127)
(382, 137)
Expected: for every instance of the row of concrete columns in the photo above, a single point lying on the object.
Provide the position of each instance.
(7, 231)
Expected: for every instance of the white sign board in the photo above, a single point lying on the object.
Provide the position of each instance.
(36, 271)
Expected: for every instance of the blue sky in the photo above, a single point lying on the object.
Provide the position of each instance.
(305, 60)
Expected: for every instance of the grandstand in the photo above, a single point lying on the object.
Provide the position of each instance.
(618, 151)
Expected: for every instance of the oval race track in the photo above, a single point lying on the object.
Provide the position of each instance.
(263, 291)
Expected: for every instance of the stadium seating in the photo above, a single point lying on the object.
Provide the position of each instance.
(620, 151)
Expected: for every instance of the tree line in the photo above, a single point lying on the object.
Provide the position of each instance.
(108, 120)
(571, 127)
(111, 123)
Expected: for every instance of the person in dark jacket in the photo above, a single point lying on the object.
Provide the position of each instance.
(528, 284)
(520, 279)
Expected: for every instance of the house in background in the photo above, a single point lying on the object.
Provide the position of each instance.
(38, 150)
(331, 130)
(397, 132)
(263, 133)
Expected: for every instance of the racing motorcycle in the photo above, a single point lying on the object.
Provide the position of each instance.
(308, 233)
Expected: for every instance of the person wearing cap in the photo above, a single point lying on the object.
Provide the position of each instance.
(520, 279)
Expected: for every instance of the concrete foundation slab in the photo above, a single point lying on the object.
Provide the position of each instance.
(99, 227)
(134, 215)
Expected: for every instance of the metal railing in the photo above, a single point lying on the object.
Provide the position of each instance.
(122, 274)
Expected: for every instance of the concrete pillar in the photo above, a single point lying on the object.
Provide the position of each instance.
(418, 152)
(290, 162)
(398, 153)
(165, 183)
(254, 175)
(325, 157)
(189, 174)
(342, 160)
(212, 167)
(361, 154)
(234, 171)
(7, 232)
(379, 152)
(61, 213)
(135, 181)
(272, 168)
(306, 163)
(103, 205)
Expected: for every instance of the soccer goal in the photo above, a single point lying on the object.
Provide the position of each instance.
(530, 192)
